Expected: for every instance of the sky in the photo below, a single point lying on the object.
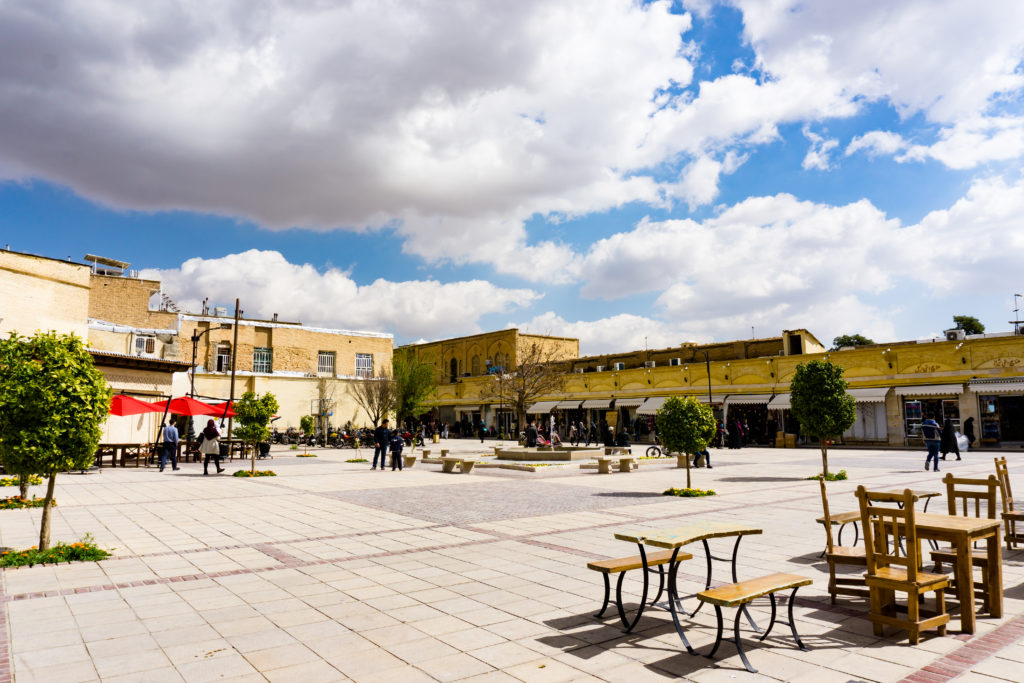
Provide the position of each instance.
(629, 173)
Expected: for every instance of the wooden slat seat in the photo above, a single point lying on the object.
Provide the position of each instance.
(625, 564)
(621, 565)
(736, 594)
(899, 576)
(842, 553)
(740, 593)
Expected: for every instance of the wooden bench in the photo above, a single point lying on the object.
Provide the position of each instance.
(622, 565)
(409, 460)
(465, 464)
(739, 594)
(604, 463)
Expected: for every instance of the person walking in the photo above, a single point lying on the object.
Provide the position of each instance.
(932, 435)
(170, 449)
(396, 445)
(948, 442)
(531, 435)
(381, 435)
(969, 432)
(211, 447)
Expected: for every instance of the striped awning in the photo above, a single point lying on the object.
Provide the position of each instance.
(1008, 385)
(747, 399)
(930, 390)
(703, 398)
(466, 409)
(541, 407)
(652, 405)
(780, 402)
(597, 403)
(872, 395)
(568, 405)
(629, 402)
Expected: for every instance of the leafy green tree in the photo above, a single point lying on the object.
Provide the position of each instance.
(306, 424)
(850, 340)
(819, 401)
(252, 417)
(52, 403)
(685, 426)
(969, 324)
(414, 382)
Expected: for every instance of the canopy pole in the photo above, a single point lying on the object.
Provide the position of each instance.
(234, 361)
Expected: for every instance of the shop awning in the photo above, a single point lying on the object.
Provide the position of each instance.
(1009, 385)
(568, 405)
(872, 395)
(629, 402)
(466, 409)
(541, 407)
(780, 402)
(930, 390)
(597, 403)
(746, 399)
(703, 398)
(652, 405)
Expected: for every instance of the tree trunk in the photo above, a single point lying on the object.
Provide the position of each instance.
(255, 447)
(44, 528)
(824, 458)
(23, 485)
(688, 484)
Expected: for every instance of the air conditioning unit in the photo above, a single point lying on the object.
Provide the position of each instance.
(619, 366)
(675, 361)
(955, 334)
(600, 368)
(578, 371)
(648, 363)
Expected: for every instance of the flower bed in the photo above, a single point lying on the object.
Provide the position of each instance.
(16, 502)
(357, 460)
(259, 473)
(688, 493)
(305, 455)
(33, 479)
(832, 476)
(85, 550)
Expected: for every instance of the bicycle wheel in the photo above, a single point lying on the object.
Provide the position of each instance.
(653, 452)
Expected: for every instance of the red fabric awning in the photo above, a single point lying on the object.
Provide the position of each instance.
(127, 405)
(185, 405)
(220, 409)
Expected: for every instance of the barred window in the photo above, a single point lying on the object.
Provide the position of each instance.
(262, 360)
(145, 345)
(223, 357)
(364, 365)
(325, 362)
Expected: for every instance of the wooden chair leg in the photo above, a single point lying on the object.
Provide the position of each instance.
(940, 608)
(914, 616)
(875, 595)
(832, 580)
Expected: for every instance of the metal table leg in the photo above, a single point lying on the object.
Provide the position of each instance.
(643, 598)
(674, 602)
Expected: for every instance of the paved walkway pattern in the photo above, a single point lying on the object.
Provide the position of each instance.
(333, 572)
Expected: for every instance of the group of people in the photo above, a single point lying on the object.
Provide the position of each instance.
(209, 446)
(387, 441)
(943, 439)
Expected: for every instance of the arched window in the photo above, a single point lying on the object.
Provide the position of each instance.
(453, 369)
(499, 360)
(474, 366)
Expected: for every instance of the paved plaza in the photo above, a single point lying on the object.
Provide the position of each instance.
(333, 572)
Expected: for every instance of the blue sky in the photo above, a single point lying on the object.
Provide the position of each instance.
(616, 172)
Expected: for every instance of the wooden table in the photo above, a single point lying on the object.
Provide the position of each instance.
(115, 450)
(675, 538)
(962, 532)
(852, 517)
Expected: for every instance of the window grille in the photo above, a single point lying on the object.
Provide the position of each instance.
(145, 345)
(325, 362)
(262, 360)
(364, 365)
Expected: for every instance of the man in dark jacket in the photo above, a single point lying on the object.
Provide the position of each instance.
(531, 435)
(396, 445)
(380, 444)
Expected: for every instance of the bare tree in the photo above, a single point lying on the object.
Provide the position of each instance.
(538, 371)
(375, 395)
(324, 395)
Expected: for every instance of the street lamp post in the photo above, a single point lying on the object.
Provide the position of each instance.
(196, 336)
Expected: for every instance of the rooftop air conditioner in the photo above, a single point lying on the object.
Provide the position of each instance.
(578, 371)
(600, 368)
(955, 334)
(619, 366)
(649, 364)
(676, 361)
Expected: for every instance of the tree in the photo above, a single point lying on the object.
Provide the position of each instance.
(850, 340)
(375, 395)
(685, 426)
(414, 383)
(969, 324)
(536, 373)
(818, 399)
(325, 387)
(253, 414)
(52, 403)
(307, 424)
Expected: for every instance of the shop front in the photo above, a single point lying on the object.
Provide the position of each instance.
(939, 401)
(872, 424)
(647, 412)
(594, 411)
(751, 412)
(1001, 410)
(627, 408)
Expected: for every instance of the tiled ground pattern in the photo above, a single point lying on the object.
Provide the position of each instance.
(332, 572)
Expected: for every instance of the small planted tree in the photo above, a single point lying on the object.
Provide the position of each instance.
(820, 402)
(306, 424)
(52, 403)
(252, 417)
(685, 426)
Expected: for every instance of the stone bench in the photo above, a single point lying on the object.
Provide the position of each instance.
(604, 463)
(624, 564)
(425, 452)
(465, 464)
(681, 459)
(409, 460)
(739, 594)
(612, 450)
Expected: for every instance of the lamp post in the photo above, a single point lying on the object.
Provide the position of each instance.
(196, 336)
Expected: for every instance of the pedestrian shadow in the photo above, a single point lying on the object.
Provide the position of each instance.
(629, 494)
(759, 479)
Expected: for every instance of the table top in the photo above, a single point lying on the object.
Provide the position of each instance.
(928, 521)
(675, 537)
(919, 494)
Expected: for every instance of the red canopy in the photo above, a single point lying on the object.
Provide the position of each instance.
(220, 409)
(186, 405)
(126, 405)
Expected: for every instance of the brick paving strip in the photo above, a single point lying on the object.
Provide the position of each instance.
(963, 659)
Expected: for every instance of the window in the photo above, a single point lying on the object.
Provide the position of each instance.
(262, 360)
(145, 345)
(474, 366)
(223, 358)
(364, 365)
(325, 362)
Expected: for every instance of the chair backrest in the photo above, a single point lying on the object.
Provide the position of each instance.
(1003, 475)
(829, 544)
(882, 527)
(960, 495)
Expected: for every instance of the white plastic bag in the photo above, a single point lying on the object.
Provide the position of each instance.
(961, 442)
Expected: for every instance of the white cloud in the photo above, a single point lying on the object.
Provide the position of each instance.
(876, 143)
(267, 283)
(615, 333)
(817, 156)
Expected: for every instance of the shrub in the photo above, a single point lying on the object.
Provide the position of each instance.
(33, 480)
(831, 476)
(85, 550)
(688, 492)
(16, 502)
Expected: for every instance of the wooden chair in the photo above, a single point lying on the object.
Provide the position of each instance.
(1010, 516)
(964, 497)
(841, 555)
(889, 572)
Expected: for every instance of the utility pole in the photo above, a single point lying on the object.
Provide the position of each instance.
(234, 361)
